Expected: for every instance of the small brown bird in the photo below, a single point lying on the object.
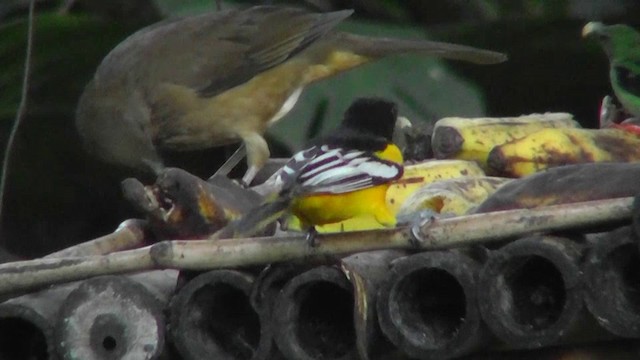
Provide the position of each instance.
(223, 77)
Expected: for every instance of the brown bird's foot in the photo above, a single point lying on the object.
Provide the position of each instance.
(312, 237)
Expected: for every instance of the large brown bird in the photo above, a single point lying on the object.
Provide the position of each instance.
(223, 77)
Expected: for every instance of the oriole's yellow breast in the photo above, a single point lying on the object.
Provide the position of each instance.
(330, 208)
(321, 209)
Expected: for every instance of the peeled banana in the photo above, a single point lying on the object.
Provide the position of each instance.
(453, 197)
(473, 138)
(548, 148)
(426, 172)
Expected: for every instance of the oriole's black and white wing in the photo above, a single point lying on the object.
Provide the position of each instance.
(324, 169)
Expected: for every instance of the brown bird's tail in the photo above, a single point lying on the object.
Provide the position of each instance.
(372, 47)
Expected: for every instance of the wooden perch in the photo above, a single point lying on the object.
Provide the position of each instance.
(427, 234)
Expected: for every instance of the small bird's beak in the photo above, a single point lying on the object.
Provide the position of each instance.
(591, 28)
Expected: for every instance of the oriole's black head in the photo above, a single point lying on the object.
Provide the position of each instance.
(372, 116)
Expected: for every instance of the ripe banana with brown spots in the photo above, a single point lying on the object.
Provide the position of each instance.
(417, 175)
(473, 138)
(549, 148)
(457, 196)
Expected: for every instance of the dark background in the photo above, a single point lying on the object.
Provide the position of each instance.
(57, 196)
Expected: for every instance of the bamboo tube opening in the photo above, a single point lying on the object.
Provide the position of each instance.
(535, 292)
(22, 339)
(612, 273)
(434, 306)
(624, 264)
(531, 293)
(107, 336)
(427, 305)
(109, 343)
(212, 317)
(315, 316)
(223, 309)
(110, 317)
(325, 320)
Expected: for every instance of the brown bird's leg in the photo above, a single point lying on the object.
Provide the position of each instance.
(218, 5)
(257, 155)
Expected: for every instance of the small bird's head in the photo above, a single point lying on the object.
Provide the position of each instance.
(618, 41)
(377, 115)
(115, 128)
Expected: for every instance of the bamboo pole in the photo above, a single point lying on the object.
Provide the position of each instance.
(130, 234)
(427, 234)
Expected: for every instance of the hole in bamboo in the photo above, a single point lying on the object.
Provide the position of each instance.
(222, 313)
(625, 265)
(535, 292)
(109, 343)
(325, 320)
(431, 307)
(21, 339)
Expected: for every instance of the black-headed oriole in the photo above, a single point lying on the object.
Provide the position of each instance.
(342, 175)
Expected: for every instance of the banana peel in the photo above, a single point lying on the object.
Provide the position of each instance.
(452, 197)
(180, 205)
(474, 138)
(417, 175)
(566, 184)
(549, 148)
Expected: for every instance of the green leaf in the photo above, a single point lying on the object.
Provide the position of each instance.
(66, 52)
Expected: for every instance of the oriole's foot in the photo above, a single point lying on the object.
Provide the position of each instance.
(312, 237)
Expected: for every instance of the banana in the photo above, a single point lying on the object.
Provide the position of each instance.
(453, 197)
(473, 138)
(426, 172)
(566, 184)
(562, 146)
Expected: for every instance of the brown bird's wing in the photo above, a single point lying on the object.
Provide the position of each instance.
(216, 51)
(271, 36)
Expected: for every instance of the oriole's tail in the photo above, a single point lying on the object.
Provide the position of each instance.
(256, 220)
